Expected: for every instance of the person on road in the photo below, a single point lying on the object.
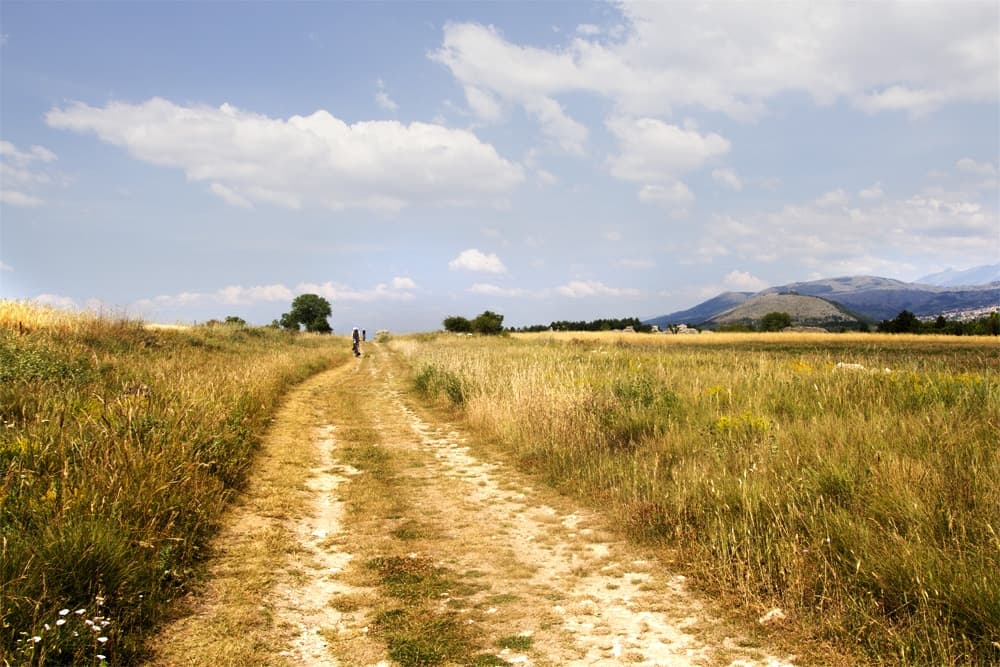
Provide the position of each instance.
(356, 342)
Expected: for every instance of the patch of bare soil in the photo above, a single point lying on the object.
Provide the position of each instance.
(531, 579)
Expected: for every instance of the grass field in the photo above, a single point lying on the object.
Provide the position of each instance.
(852, 480)
(119, 448)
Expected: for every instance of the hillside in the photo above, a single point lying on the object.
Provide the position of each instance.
(870, 297)
(804, 310)
(703, 311)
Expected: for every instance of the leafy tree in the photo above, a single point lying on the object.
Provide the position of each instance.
(457, 324)
(488, 323)
(905, 322)
(239, 321)
(775, 321)
(309, 310)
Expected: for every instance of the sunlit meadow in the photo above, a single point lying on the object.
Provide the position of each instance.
(852, 480)
(119, 448)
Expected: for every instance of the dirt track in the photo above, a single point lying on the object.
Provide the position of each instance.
(517, 573)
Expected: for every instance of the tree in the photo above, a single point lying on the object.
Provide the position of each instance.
(457, 324)
(309, 310)
(775, 321)
(905, 322)
(488, 323)
(238, 321)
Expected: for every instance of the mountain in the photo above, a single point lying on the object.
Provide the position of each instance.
(804, 310)
(703, 311)
(865, 297)
(977, 275)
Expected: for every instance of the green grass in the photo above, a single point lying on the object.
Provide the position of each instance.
(864, 502)
(119, 448)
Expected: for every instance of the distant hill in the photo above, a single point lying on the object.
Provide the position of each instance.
(977, 275)
(703, 311)
(804, 311)
(864, 297)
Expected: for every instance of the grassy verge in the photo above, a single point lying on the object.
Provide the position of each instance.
(863, 497)
(119, 448)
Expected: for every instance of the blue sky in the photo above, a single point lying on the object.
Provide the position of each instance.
(548, 161)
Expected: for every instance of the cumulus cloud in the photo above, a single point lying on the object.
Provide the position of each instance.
(403, 283)
(732, 58)
(743, 281)
(494, 290)
(974, 167)
(947, 229)
(577, 289)
(383, 100)
(677, 195)
(303, 161)
(729, 178)
(23, 173)
(474, 260)
(652, 151)
(238, 295)
(874, 192)
(834, 198)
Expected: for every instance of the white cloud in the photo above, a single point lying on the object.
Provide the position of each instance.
(304, 161)
(6, 267)
(494, 290)
(230, 197)
(874, 192)
(577, 289)
(732, 58)
(652, 151)
(16, 198)
(742, 281)
(568, 134)
(979, 168)
(238, 295)
(588, 29)
(729, 178)
(836, 197)
(56, 301)
(677, 195)
(22, 173)
(403, 283)
(474, 260)
(638, 264)
(829, 239)
(383, 100)
(484, 104)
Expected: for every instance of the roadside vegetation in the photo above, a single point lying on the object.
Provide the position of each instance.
(120, 446)
(853, 480)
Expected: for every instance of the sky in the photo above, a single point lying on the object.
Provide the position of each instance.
(409, 161)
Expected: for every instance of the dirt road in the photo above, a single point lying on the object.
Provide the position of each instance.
(375, 534)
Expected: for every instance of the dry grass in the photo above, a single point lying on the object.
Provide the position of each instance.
(862, 500)
(119, 449)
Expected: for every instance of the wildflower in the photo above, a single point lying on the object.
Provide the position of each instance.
(102, 639)
(100, 657)
(63, 612)
(36, 639)
(80, 612)
(61, 621)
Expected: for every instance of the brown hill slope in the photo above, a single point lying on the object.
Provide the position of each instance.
(802, 309)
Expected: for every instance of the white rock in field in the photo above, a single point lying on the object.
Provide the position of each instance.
(772, 617)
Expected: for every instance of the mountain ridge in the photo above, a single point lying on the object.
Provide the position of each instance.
(866, 298)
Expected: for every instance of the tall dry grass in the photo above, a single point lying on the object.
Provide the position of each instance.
(863, 499)
(119, 447)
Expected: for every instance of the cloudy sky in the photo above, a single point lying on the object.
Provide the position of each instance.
(410, 161)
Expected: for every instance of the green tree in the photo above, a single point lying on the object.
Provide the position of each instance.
(457, 324)
(488, 322)
(310, 311)
(239, 321)
(775, 321)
